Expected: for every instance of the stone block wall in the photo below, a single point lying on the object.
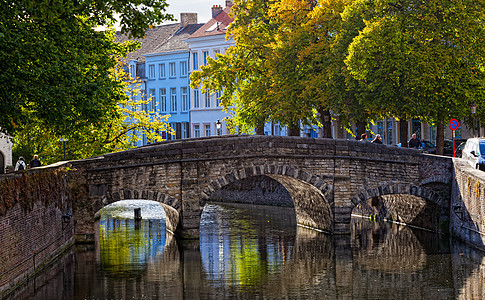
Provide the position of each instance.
(467, 211)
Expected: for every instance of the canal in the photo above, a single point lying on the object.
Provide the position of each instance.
(258, 252)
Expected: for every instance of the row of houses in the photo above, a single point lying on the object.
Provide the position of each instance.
(168, 55)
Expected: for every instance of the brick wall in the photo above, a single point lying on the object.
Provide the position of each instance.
(32, 231)
(467, 212)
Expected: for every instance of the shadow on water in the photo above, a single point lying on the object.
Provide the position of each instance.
(249, 252)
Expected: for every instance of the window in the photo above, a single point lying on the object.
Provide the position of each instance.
(277, 129)
(218, 98)
(153, 101)
(207, 99)
(161, 71)
(163, 100)
(196, 99)
(216, 51)
(206, 55)
(174, 131)
(196, 131)
(151, 71)
(185, 99)
(207, 129)
(183, 68)
(389, 132)
(172, 70)
(132, 71)
(195, 61)
(173, 99)
(380, 128)
(185, 127)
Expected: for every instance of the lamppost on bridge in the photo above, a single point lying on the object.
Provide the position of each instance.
(473, 109)
(63, 140)
(218, 127)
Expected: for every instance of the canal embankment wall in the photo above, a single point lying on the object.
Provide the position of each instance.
(467, 209)
(35, 225)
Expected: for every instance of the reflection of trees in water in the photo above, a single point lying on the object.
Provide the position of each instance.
(126, 245)
(261, 255)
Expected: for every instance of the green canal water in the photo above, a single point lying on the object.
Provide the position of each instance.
(258, 252)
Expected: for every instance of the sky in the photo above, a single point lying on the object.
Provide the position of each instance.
(201, 7)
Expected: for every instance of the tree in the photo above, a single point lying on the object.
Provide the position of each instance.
(56, 66)
(113, 133)
(422, 59)
(265, 76)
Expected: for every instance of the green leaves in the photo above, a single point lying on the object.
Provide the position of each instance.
(59, 75)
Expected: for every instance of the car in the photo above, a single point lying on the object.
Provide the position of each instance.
(459, 149)
(474, 153)
(427, 147)
(448, 146)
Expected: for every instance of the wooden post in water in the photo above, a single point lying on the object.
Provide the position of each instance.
(137, 214)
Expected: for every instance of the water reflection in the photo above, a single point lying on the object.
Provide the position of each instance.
(249, 252)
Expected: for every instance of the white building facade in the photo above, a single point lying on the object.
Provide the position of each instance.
(208, 41)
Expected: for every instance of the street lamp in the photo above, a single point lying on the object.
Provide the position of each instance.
(473, 109)
(218, 127)
(63, 140)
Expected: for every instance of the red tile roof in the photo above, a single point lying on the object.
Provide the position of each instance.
(216, 25)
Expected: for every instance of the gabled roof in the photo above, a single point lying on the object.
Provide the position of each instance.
(215, 26)
(154, 37)
(177, 40)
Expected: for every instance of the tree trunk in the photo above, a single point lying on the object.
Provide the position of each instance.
(403, 133)
(326, 121)
(294, 129)
(440, 138)
(360, 129)
(260, 129)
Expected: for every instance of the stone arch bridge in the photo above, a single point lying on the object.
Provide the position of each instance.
(326, 178)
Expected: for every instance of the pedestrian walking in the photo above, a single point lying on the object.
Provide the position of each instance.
(20, 165)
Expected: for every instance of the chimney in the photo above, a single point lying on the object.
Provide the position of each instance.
(216, 9)
(228, 3)
(187, 19)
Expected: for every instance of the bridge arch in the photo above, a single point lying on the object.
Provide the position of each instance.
(311, 195)
(171, 205)
(397, 189)
(388, 203)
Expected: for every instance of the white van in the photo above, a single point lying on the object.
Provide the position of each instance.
(474, 153)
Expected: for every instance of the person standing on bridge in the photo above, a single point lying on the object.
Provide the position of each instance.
(377, 139)
(414, 142)
(35, 162)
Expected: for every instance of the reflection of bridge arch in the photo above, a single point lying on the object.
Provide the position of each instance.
(311, 196)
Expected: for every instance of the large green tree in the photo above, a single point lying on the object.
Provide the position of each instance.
(56, 66)
(422, 59)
